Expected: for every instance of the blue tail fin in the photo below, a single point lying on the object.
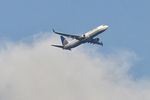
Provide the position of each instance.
(63, 40)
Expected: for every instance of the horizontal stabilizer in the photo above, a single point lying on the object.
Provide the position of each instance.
(59, 46)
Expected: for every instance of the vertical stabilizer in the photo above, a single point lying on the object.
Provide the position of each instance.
(63, 40)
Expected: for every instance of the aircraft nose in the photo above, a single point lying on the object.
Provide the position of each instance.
(106, 26)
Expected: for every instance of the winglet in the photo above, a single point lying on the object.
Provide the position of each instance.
(101, 43)
(53, 30)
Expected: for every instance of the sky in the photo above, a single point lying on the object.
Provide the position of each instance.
(126, 46)
(128, 22)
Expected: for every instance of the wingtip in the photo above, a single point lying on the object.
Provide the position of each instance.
(102, 44)
(53, 30)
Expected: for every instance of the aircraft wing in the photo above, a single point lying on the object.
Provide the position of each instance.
(98, 43)
(95, 41)
(68, 35)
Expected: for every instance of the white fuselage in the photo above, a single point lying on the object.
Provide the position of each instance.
(87, 36)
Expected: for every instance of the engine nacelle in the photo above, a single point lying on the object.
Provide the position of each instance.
(83, 36)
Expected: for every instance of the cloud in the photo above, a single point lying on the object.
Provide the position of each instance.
(37, 71)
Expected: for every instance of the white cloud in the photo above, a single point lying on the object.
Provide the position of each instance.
(38, 71)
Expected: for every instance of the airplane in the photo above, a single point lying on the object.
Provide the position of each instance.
(78, 40)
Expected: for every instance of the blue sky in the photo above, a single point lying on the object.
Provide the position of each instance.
(128, 20)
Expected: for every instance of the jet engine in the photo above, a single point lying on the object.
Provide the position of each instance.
(83, 36)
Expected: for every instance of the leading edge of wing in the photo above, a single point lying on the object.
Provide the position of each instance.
(67, 35)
